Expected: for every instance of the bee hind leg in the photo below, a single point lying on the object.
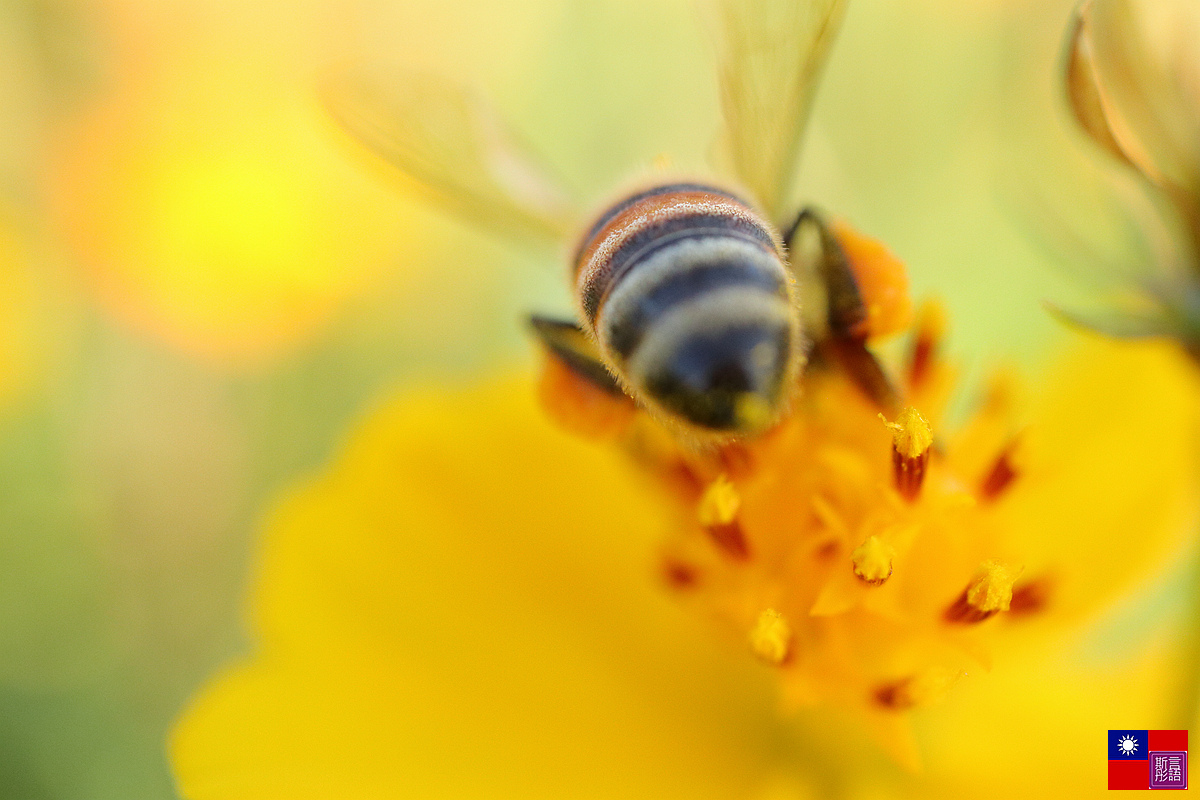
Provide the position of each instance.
(566, 342)
(576, 387)
(817, 256)
(837, 319)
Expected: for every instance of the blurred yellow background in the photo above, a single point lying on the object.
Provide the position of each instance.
(203, 282)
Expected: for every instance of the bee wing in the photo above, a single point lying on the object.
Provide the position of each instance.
(455, 146)
(772, 55)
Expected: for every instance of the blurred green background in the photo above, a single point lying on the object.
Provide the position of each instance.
(203, 285)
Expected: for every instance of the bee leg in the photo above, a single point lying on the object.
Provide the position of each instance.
(864, 369)
(565, 341)
(576, 389)
(839, 333)
(822, 255)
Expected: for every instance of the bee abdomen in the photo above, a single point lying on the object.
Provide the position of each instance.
(632, 231)
(681, 277)
(707, 358)
(688, 297)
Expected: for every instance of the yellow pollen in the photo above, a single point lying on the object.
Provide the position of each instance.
(771, 639)
(873, 561)
(720, 503)
(991, 589)
(911, 441)
(911, 434)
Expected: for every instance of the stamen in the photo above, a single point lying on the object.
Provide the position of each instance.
(827, 514)
(999, 476)
(873, 561)
(717, 512)
(988, 593)
(730, 539)
(931, 327)
(1031, 597)
(771, 639)
(895, 696)
(720, 503)
(911, 439)
(736, 459)
(917, 690)
(679, 575)
(826, 549)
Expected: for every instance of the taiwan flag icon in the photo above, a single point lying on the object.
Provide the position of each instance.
(1147, 759)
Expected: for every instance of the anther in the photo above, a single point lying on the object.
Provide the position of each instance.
(873, 561)
(717, 512)
(771, 638)
(988, 593)
(720, 503)
(912, 438)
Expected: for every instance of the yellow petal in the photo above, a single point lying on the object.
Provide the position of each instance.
(1036, 729)
(1107, 488)
(461, 607)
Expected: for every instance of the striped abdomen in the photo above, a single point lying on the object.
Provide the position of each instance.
(686, 292)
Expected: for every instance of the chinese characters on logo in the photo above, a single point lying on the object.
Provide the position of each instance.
(1168, 770)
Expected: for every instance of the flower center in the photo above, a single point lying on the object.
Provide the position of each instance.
(861, 560)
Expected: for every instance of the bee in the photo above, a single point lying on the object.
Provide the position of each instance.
(691, 301)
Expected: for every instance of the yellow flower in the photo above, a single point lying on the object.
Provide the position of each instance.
(197, 189)
(1133, 81)
(866, 559)
(463, 604)
(1035, 726)
(232, 234)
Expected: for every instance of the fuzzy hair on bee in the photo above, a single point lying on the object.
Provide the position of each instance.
(688, 304)
(685, 290)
